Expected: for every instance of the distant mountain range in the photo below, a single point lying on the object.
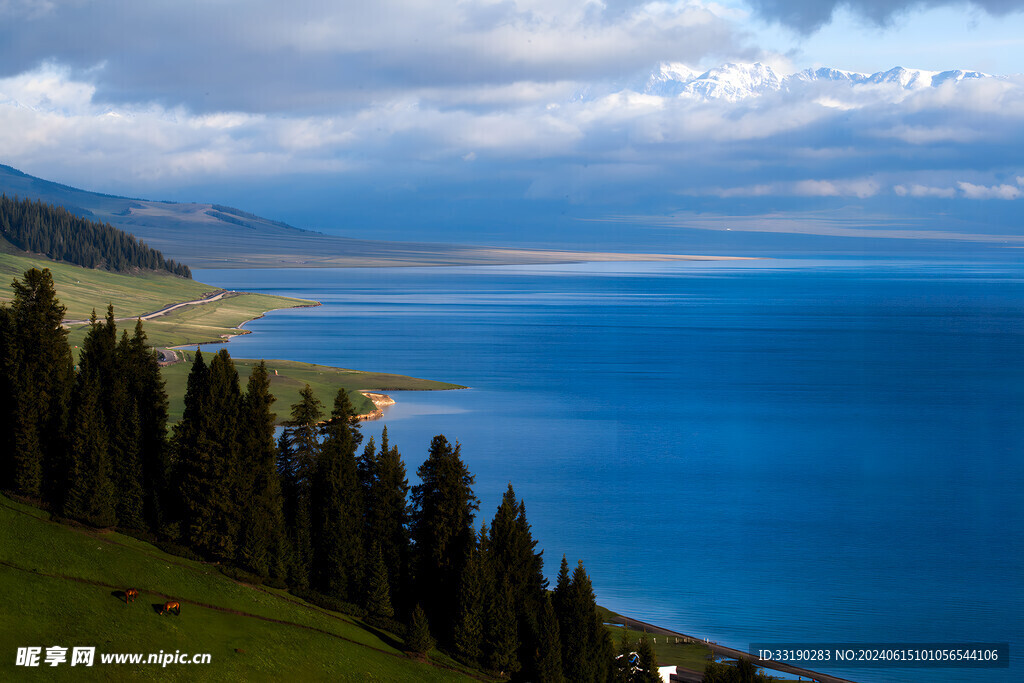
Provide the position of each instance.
(735, 82)
(215, 236)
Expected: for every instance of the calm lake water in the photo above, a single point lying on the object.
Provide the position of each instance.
(781, 451)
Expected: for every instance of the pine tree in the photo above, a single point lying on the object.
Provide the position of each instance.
(561, 593)
(299, 449)
(40, 377)
(127, 469)
(648, 668)
(469, 624)
(385, 490)
(587, 650)
(418, 641)
(337, 507)
(511, 556)
(7, 401)
(105, 360)
(91, 497)
(194, 454)
(549, 648)
(146, 388)
(262, 545)
(625, 661)
(216, 533)
(502, 633)
(443, 508)
(378, 594)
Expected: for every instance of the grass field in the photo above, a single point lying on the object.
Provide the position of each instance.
(201, 323)
(693, 656)
(292, 376)
(59, 585)
(82, 289)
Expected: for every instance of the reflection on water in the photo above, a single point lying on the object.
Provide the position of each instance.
(748, 451)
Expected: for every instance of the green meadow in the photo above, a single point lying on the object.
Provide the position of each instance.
(287, 379)
(61, 586)
(83, 289)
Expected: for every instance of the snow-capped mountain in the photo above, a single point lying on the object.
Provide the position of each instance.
(734, 82)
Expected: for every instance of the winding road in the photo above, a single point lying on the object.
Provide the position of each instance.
(209, 298)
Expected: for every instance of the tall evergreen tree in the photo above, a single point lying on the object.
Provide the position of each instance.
(469, 624)
(385, 490)
(262, 543)
(502, 632)
(104, 360)
(511, 554)
(299, 451)
(7, 401)
(39, 382)
(648, 668)
(194, 453)
(443, 509)
(586, 646)
(549, 648)
(147, 390)
(127, 468)
(218, 534)
(626, 660)
(337, 507)
(91, 497)
(561, 592)
(378, 593)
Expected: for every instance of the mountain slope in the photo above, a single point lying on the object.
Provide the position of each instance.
(61, 586)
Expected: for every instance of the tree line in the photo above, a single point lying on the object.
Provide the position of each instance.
(60, 235)
(314, 510)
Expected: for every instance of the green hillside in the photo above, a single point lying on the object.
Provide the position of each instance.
(82, 289)
(60, 585)
(287, 378)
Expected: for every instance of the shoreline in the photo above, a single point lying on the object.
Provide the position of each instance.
(380, 402)
(723, 651)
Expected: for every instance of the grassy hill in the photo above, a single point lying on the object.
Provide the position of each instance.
(81, 290)
(287, 379)
(60, 585)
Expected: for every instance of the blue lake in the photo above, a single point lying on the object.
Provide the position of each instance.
(769, 451)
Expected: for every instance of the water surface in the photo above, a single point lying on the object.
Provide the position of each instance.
(784, 451)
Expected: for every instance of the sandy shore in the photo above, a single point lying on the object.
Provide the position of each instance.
(380, 402)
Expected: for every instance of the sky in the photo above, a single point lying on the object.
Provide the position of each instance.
(532, 121)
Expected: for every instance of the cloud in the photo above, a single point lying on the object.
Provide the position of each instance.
(313, 57)
(924, 191)
(809, 15)
(972, 191)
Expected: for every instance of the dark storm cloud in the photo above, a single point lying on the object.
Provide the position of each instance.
(810, 15)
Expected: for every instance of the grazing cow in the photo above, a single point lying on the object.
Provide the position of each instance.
(171, 605)
(130, 594)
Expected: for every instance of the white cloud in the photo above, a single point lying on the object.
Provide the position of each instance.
(972, 191)
(924, 191)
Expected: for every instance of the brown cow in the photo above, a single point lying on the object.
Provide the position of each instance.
(130, 594)
(171, 605)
